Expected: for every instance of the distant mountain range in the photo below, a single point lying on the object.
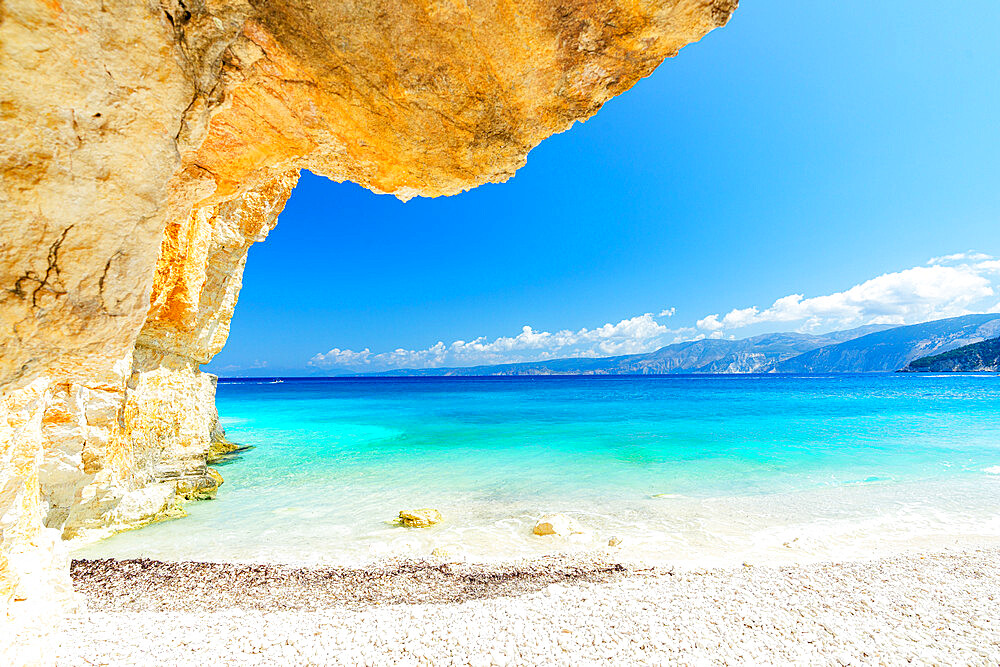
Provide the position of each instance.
(865, 349)
(893, 349)
(978, 357)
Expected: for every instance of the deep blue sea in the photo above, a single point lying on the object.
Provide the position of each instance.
(688, 469)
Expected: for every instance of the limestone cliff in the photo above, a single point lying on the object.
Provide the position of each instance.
(144, 146)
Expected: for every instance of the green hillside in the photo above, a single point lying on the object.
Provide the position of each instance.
(982, 356)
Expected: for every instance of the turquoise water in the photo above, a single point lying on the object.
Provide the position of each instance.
(702, 469)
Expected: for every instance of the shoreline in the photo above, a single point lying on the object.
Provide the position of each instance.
(922, 607)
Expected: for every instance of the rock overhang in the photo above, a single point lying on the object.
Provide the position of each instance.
(145, 146)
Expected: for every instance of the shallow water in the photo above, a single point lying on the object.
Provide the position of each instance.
(687, 469)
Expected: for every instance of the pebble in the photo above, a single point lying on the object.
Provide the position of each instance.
(937, 609)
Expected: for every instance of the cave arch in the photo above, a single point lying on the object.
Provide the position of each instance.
(146, 146)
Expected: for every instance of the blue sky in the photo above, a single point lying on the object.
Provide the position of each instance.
(804, 149)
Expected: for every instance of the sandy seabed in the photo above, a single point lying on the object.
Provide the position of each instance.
(927, 608)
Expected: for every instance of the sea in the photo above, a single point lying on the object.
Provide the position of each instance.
(695, 470)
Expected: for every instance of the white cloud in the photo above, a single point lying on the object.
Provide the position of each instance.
(637, 334)
(946, 286)
(959, 257)
(913, 295)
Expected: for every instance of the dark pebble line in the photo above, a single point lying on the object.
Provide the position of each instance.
(150, 585)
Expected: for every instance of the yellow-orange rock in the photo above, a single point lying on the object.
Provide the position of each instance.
(420, 518)
(145, 146)
(556, 524)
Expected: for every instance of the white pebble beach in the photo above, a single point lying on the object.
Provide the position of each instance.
(933, 609)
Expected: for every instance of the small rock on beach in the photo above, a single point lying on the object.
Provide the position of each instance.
(557, 524)
(420, 518)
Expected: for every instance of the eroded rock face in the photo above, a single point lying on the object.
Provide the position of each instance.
(91, 99)
(144, 146)
(431, 98)
(126, 453)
